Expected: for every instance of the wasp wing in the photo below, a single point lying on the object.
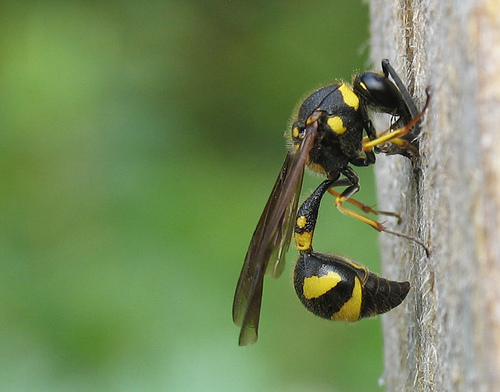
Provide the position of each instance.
(270, 238)
(284, 234)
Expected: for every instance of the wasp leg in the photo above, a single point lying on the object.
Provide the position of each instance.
(396, 135)
(349, 192)
(346, 195)
(400, 142)
(364, 207)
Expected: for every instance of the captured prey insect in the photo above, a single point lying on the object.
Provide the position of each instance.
(328, 137)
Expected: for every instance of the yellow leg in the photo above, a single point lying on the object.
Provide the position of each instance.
(373, 223)
(362, 206)
(340, 199)
(394, 136)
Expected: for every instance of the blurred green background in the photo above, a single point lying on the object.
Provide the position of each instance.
(139, 143)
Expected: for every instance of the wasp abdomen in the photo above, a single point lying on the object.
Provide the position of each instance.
(381, 295)
(337, 288)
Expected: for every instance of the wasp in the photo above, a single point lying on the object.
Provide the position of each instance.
(328, 137)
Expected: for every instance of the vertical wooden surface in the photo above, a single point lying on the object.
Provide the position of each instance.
(446, 336)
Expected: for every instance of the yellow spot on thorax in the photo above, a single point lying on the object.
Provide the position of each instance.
(316, 286)
(336, 124)
(349, 97)
(352, 308)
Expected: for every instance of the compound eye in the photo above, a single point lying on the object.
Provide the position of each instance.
(378, 92)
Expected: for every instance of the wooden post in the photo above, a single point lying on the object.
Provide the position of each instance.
(446, 336)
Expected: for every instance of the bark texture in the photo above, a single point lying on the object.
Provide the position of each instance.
(446, 336)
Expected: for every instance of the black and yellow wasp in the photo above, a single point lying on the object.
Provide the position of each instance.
(328, 136)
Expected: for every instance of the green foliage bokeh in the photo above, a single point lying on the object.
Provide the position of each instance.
(139, 142)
